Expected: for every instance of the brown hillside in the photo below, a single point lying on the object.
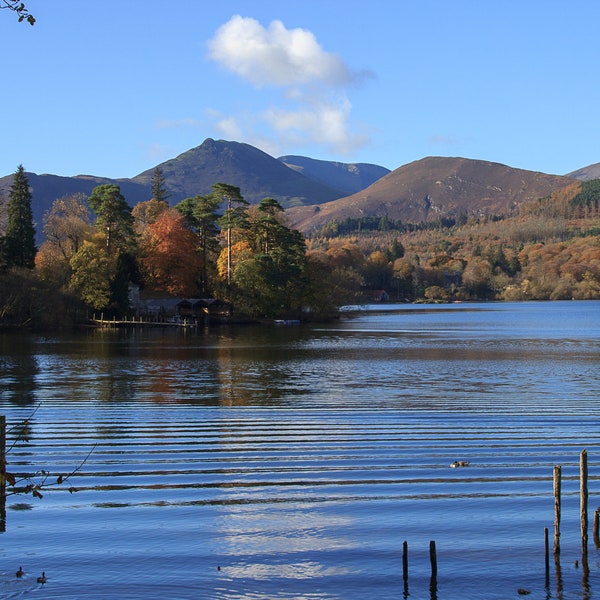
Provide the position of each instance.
(586, 173)
(434, 187)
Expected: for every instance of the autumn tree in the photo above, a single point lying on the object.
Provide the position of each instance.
(66, 225)
(19, 241)
(477, 278)
(168, 255)
(92, 271)
(146, 213)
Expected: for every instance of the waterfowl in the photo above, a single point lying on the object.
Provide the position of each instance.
(20, 572)
(459, 463)
(42, 578)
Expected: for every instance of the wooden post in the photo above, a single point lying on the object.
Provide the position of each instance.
(557, 470)
(433, 580)
(583, 506)
(2, 473)
(596, 528)
(546, 556)
(433, 560)
(405, 563)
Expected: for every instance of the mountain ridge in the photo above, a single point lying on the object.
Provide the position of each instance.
(434, 187)
(314, 191)
(257, 174)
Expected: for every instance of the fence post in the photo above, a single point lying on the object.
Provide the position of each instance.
(2, 473)
(557, 471)
(583, 506)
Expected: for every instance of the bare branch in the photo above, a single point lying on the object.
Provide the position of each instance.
(36, 483)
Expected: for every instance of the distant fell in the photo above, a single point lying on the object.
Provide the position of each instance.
(586, 173)
(435, 187)
(347, 177)
(45, 189)
(256, 173)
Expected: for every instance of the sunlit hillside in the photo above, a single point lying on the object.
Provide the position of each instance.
(549, 250)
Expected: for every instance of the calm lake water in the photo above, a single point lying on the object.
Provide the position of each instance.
(294, 461)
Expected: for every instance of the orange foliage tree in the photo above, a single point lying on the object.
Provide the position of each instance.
(168, 257)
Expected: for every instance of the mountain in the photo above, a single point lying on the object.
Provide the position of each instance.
(434, 187)
(315, 192)
(586, 173)
(45, 189)
(349, 178)
(256, 173)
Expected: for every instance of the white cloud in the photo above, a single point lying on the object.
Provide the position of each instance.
(317, 120)
(275, 55)
(312, 106)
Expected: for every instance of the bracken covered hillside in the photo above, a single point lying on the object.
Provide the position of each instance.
(435, 188)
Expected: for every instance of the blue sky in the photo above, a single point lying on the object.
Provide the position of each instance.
(113, 87)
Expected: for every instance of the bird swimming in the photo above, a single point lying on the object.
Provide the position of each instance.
(42, 578)
(459, 463)
(20, 572)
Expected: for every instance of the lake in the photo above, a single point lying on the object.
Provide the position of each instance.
(293, 462)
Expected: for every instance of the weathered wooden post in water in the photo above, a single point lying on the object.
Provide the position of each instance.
(583, 506)
(546, 557)
(405, 568)
(2, 473)
(596, 528)
(556, 486)
(433, 560)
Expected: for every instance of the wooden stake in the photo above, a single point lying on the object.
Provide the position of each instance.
(596, 528)
(433, 580)
(583, 506)
(405, 562)
(433, 560)
(557, 471)
(2, 473)
(546, 555)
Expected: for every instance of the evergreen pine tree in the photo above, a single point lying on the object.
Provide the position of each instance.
(19, 241)
(159, 186)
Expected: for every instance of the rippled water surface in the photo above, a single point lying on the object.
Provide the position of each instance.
(294, 461)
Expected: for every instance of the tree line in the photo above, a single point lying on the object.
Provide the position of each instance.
(550, 250)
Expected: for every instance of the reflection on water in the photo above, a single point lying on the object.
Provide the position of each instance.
(292, 462)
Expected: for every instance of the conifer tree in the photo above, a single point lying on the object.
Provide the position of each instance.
(159, 186)
(19, 241)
